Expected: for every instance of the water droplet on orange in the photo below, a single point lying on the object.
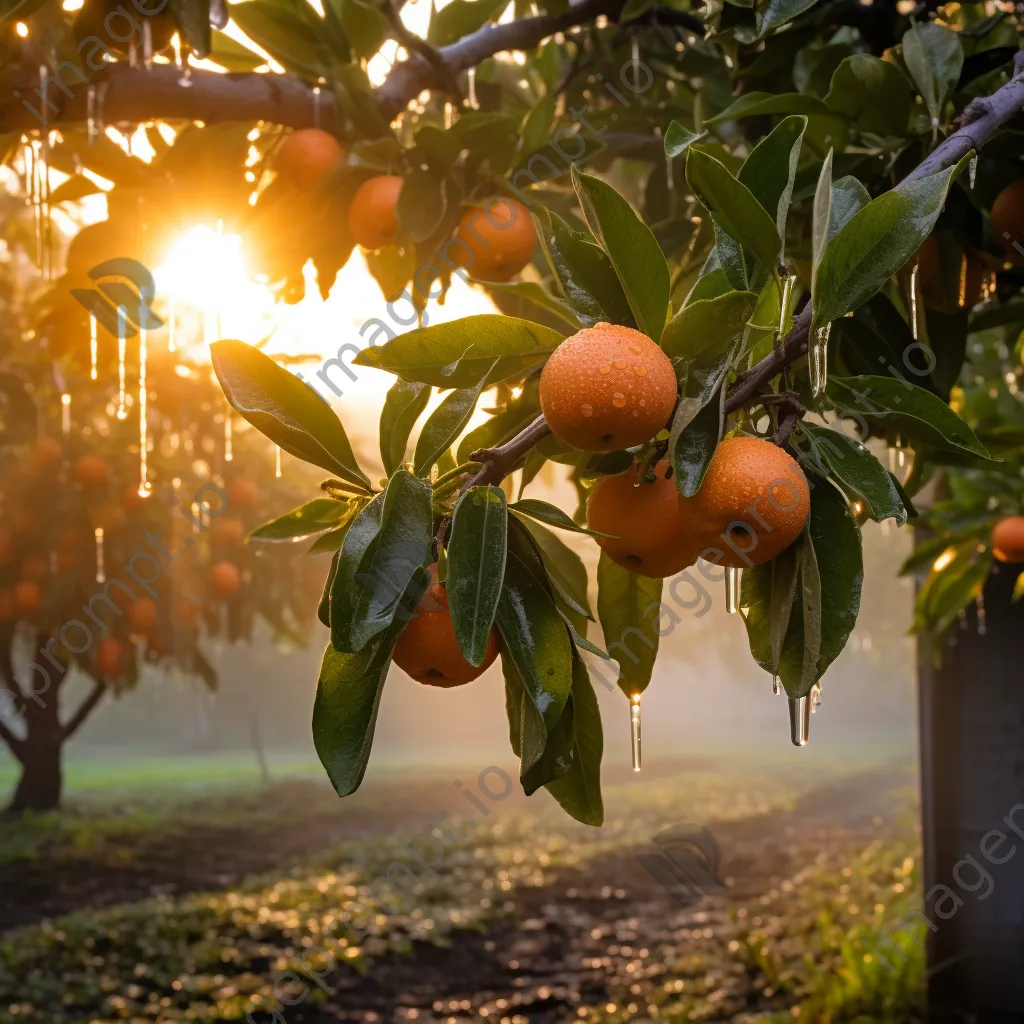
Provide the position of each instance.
(605, 369)
(635, 413)
(620, 364)
(635, 350)
(587, 409)
(640, 370)
(618, 400)
(643, 402)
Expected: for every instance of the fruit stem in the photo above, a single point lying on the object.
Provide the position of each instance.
(497, 463)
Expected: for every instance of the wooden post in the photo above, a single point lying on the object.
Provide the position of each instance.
(972, 787)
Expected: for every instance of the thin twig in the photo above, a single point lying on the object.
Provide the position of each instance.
(497, 463)
(85, 708)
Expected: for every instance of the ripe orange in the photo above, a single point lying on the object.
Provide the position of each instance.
(143, 615)
(752, 505)
(495, 242)
(373, 215)
(225, 579)
(243, 493)
(304, 157)
(119, 27)
(1008, 218)
(427, 649)
(90, 471)
(607, 387)
(228, 531)
(110, 657)
(27, 596)
(962, 287)
(1008, 539)
(48, 450)
(647, 521)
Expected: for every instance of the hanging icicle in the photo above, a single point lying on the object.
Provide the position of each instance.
(449, 116)
(65, 414)
(93, 347)
(145, 487)
(818, 361)
(471, 90)
(776, 686)
(147, 44)
(122, 345)
(815, 698)
(732, 590)
(90, 114)
(634, 730)
(972, 168)
(799, 720)
(961, 294)
(277, 461)
(913, 302)
(101, 575)
(229, 453)
(635, 60)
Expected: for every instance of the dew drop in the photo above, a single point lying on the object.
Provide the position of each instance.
(636, 350)
(587, 409)
(635, 413)
(604, 369)
(643, 402)
(640, 370)
(618, 400)
(620, 364)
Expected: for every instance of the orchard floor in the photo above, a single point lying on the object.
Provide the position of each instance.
(185, 895)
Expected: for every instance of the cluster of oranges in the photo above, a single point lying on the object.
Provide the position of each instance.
(493, 242)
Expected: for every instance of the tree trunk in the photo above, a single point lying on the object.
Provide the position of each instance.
(972, 759)
(39, 788)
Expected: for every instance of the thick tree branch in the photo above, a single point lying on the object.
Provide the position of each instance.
(99, 688)
(16, 745)
(497, 463)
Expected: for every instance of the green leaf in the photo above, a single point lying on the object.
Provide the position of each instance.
(535, 131)
(821, 217)
(755, 104)
(911, 411)
(583, 271)
(313, 517)
(379, 561)
(632, 248)
(578, 791)
(402, 407)
(458, 354)
(773, 14)
(694, 447)
(877, 242)
(323, 609)
(701, 329)
(873, 93)
(553, 516)
(538, 295)
(290, 35)
(785, 578)
(856, 470)
(624, 600)
(460, 17)
(423, 203)
(365, 26)
(934, 58)
(770, 170)
(566, 572)
(348, 696)
(811, 620)
(733, 207)
(285, 409)
(679, 139)
(849, 196)
(527, 731)
(445, 424)
(476, 567)
(532, 632)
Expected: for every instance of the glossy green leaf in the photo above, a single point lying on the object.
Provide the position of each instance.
(365, 26)
(323, 608)
(539, 296)
(625, 602)
(773, 14)
(754, 104)
(694, 447)
(632, 248)
(286, 409)
(784, 581)
(820, 219)
(532, 632)
(379, 561)
(578, 791)
(583, 271)
(458, 354)
(859, 473)
(445, 424)
(811, 620)
(460, 17)
(545, 512)
(873, 93)
(527, 731)
(901, 406)
(876, 242)
(566, 572)
(770, 170)
(849, 197)
(934, 57)
(733, 207)
(313, 517)
(535, 131)
(704, 327)
(476, 567)
(290, 35)
(402, 407)
(679, 139)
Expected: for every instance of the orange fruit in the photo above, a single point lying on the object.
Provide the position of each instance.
(143, 615)
(959, 287)
(110, 657)
(225, 579)
(304, 157)
(90, 471)
(1008, 539)
(48, 450)
(7, 609)
(607, 387)
(119, 27)
(1008, 218)
(752, 505)
(427, 649)
(496, 242)
(34, 567)
(27, 596)
(373, 214)
(646, 519)
(228, 531)
(132, 500)
(243, 493)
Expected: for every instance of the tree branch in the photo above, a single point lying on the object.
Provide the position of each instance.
(99, 688)
(16, 745)
(444, 78)
(980, 120)
(497, 463)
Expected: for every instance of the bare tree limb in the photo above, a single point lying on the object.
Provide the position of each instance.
(85, 709)
(444, 77)
(16, 745)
